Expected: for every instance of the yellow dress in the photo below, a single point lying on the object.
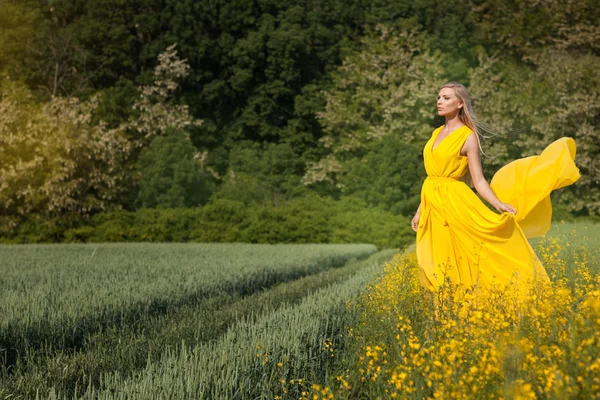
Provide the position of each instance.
(461, 239)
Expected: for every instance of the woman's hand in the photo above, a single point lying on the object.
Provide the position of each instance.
(415, 221)
(503, 207)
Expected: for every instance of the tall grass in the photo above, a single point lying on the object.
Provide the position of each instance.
(124, 350)
(257, 358)
(53, 296)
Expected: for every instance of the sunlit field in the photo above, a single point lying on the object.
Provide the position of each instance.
(76, 318)
(233, 321)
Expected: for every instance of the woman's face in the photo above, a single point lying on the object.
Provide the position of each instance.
(447, 103)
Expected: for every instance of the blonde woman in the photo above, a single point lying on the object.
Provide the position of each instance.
(458, 237)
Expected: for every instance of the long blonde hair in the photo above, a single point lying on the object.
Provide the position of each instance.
(466, 114)
(467, 117)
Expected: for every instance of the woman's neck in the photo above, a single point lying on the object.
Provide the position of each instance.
(453, 122)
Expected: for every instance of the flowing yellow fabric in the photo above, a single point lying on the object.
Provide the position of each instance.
(461, 239)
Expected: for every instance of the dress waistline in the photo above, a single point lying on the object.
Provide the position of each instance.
(442, 179)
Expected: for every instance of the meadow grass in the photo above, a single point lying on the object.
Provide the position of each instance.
(49, 281)
(123, 350)
(56, 296)
(410, 344)
(262, 357)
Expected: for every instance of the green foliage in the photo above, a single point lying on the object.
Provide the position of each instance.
(544, 86)
(222, 221)
(60, 157)
(18, 20)
(302, 220)
(389, 175)
(262, 174)
(292, 91)
(37, 229)
(40, 46)
(152, 225)
(116, 103)
(355, 223)
(530, 106)
(170, 177)
(54, 159)
(385, 89)
(310, 219)
(250, 61)
(522, 29)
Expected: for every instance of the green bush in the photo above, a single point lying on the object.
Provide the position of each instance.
(111, 227)
(309, 219)
(390, 176)
(170, 177)
(78, 235)
(222, 221)
(36, 228)
(355, 223)
(302, 220)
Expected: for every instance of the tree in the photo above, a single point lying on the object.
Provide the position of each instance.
(54, 160)
(169, 175)
(524, 28)
(58, 157)
(389, 175)
(388, 88)
(39, 45)
(268, 173)
(532, 105)
(157, 113)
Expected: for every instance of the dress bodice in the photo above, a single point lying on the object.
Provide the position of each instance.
(445, 160)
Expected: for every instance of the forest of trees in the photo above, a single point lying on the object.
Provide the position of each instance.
(241, 115)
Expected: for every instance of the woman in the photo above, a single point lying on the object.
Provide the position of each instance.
(458, 237)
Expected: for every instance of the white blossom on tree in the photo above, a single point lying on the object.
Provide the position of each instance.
(156, 113)
(55, 158)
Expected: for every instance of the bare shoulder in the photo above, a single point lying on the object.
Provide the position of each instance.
(471, 143)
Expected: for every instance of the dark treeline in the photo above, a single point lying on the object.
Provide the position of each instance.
(262, 102)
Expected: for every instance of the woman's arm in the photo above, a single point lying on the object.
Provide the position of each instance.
(415, 221)
(471, 149)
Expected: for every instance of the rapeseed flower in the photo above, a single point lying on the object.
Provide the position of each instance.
(458, 343)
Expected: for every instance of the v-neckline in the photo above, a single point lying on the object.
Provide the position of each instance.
(433, 146)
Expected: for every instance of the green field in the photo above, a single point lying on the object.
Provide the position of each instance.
(239, 321)
(72, 313)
